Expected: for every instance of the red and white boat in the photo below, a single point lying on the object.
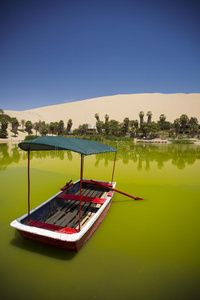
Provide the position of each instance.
(69, 218)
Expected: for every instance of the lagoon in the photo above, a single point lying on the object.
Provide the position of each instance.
(143, 249)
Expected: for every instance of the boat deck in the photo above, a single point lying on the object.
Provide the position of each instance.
(67, 212)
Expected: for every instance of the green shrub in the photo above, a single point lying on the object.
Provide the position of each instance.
(14, 132)
(181, 141)
(30, 137)
(3, 134)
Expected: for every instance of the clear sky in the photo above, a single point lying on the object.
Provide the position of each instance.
(57, 51)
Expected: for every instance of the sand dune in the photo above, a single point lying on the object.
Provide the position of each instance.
(117, 107)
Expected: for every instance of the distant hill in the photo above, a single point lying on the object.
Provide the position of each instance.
(117, 107)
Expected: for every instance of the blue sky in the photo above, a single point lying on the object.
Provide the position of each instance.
(52, 52)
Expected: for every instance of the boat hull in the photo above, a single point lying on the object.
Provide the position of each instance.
(57, 238)
(74, 246)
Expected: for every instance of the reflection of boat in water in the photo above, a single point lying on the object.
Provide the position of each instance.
(69, 218)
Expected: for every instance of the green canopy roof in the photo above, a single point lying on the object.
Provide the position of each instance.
(63, 143)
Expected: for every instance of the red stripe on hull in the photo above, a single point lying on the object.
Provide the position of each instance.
(71, 246)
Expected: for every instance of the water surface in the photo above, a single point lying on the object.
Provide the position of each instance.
(142, 250)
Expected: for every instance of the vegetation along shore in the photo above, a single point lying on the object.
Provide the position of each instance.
(143, 128)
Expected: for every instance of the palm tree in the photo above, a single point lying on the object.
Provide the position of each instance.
(23, 123)
(40, 125)
(162, 121)
(149, 115)
(114, 127)
(52, 127)
(36, 127)
(106, 118)
(193, 123)
(97, 117)
(56, 127)
(4, 124)
(29, 127)
(133, 132)
(69, 126)
(145, 128)
(45, 130)
(99, 126)
(136, 123)
(154, 128)
(193, 120)
(141, 115)
(60, 127)
(106, 127)
(126, 125)
(82, 129)
(15, 125)
(177, 124)
(184, 120)
(3, 130)
(193, 129)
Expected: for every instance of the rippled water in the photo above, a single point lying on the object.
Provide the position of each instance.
(143, 249)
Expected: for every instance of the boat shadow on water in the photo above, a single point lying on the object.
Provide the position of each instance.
(30, 246)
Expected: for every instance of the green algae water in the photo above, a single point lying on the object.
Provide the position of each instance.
(143, 249)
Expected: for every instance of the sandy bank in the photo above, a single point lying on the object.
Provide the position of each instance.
(117, 107)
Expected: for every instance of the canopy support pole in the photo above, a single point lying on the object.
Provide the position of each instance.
(28, 185)
(114, 166)
(81, 180)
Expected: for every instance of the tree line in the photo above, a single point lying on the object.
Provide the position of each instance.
(141, 128)
(132, 128)
(41, 127)
(54, 128)
(4, 121)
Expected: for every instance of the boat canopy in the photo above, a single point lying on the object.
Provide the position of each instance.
(62, 143)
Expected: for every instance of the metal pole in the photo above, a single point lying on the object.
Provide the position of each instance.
(28, 185)
(81, 179)
(114, 167)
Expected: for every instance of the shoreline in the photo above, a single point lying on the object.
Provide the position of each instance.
(17, 139)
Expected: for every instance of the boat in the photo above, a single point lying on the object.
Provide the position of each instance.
(68, 219)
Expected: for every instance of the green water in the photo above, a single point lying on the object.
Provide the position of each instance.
(143, 249)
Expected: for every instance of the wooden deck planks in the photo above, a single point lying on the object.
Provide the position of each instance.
(68, 215)
(90, 214)
(56, 215)
(73, 218)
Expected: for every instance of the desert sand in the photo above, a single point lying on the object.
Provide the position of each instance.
(117, 107)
